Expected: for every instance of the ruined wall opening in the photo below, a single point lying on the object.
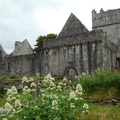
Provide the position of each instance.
(70, 73)
(9, 67)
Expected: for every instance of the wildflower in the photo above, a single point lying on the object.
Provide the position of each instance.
(60, 83)
(78, 92)
(8, 99)
(4, 119)
(72, 95)
(48, 76)
(59, 88)
(31, 79)
(64, 84)
(54, 102)
(72, 105)
(64, 79)
(85, 106)
(14, 90)
(2, 111)
(24, 79)
(17, 96)
(43, 95)
(36, 108)
(17, 103)
(70, 81)
(52, 78)
(79, 87)
(76, 98)
(25, 88)
(52, 84)
(33, 90)
(83, 74)
(56, 118)
(13, 98)
(33, 85)
(8, 107)
(81, 99)
(9, 92)
(55, 96)
(85, 112)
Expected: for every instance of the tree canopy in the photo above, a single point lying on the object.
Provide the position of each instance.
(39, 40)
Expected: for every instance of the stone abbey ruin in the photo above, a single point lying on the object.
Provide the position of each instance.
(74, 51)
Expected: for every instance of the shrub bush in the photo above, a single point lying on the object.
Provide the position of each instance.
(55, 101)
(100, 79)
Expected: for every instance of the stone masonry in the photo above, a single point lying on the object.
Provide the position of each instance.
(74, 51)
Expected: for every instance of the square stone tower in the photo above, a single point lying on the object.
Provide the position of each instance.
(109, 22)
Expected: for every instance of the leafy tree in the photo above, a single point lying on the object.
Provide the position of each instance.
(39, 40)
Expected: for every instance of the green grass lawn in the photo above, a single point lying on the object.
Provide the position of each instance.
(102, 112)
(102, 85)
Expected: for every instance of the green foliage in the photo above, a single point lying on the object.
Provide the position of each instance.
(100, 79)
(55, 101)
(39, 44)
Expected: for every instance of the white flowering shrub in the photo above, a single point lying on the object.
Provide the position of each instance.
(55, 101)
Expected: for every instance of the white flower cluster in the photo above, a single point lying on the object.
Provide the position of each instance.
(8, 108)
(4, 119)
(86, 107)
(17, 103)
(53, 94)
(72, 95)
(33, 85)
(78, 89)
(2, 112)
(64, 79)
(26, 90)
(55, 104)
(49, 82)
(12, 91)
(12, 105)
(24, 79)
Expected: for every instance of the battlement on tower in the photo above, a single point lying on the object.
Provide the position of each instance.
(105, 18)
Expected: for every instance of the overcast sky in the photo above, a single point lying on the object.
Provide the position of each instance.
(28, 19)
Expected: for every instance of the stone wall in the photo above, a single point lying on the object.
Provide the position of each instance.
(73, 53)
(110, 51)
(27, 65)
(65, 57)
(82, 54)
(82, 57)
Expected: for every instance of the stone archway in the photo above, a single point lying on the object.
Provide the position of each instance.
(70, 73)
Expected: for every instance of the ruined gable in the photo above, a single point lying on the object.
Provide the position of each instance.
(22, 48)
(3, 53)
(72, 27)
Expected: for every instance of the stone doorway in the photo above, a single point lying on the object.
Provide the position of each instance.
(70, 73)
